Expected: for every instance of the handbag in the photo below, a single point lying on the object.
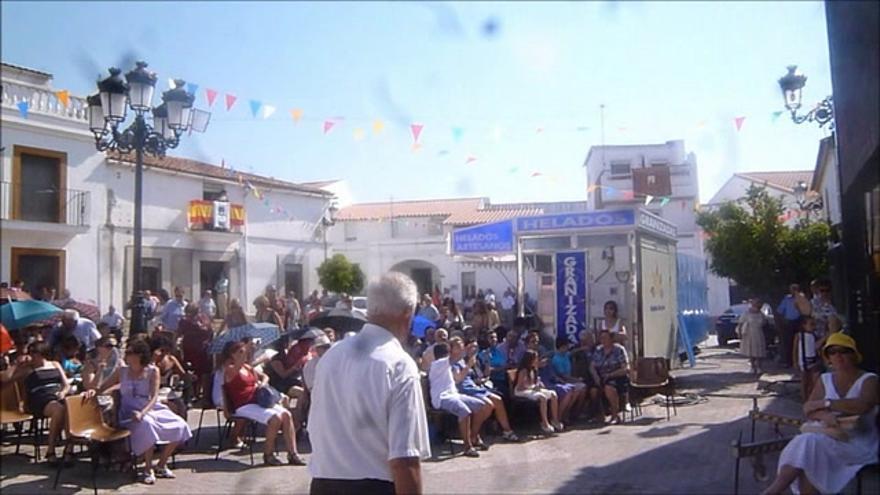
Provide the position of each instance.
(266, 396)
(846, 425)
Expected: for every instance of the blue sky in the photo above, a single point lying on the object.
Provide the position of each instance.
(663, 70)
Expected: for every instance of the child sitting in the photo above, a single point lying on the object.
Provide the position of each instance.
(528, 386)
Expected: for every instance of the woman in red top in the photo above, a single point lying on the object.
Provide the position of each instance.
(197, 334)
(240, 383)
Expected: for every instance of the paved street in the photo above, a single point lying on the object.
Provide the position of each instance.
(689, 454)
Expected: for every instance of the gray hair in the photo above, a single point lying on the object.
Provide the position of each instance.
(70, 314)
(392, 294)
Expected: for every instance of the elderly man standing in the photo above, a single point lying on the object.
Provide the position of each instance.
(369, 435)
(83, 329)
(207, 307)
(173, 310)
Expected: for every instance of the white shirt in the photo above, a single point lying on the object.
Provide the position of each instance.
(442, 383)
(85, 332)
(490, 297)
(207, 307)
(508, 302)
(309, 370)
(367, 408)
(113, 320)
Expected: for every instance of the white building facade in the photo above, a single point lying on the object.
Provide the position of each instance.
(625, 175)
(67, 212)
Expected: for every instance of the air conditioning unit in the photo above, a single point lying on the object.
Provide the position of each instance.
(221, 215)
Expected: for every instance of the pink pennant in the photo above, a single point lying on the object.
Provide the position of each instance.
(536, 174)
(470, 159)
(416, 131)
(328, 124)
(230, 100)
(628, 195)
(739, 123)
(539, 130)
(210, 95)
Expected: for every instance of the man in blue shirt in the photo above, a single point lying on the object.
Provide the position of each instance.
(173, 311)
(791, 316)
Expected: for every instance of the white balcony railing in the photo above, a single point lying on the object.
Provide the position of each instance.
(43, 101)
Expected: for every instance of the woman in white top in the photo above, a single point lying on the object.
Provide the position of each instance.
(613, 323)
(825, 460)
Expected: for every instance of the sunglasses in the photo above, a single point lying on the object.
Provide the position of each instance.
(838, 350)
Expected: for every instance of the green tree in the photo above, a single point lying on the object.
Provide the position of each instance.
(337, 274)
(749, 244)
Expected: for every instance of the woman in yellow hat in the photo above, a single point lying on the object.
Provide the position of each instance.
(825, 460)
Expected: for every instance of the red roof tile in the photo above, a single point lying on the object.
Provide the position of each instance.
(780, 180)
(195, 167)
(401, 209)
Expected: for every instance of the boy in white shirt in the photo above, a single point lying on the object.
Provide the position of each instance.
(470, 411)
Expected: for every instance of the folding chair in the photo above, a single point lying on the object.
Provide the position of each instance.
(12, 412)
(652, 375)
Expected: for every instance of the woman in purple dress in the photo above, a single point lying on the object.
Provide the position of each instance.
(141, 412)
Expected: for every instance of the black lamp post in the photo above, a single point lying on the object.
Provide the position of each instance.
(107, 112)
(327, 221)
(792, 85)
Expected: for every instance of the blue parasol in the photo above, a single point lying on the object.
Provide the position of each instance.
(420, 324)
(19, 314)
(265, 332)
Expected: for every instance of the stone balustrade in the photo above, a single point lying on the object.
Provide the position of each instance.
(43, 101)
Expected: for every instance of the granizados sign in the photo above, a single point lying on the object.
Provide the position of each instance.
(571, 294)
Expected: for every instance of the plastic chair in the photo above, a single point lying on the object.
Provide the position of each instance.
(652, 375)
(12, 412)
(85, 426)
(250, 428)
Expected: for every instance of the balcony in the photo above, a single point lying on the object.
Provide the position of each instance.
(43, 101)
(38, 208)
(204, 216)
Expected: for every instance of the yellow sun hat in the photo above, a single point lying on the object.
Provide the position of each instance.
(841, 339)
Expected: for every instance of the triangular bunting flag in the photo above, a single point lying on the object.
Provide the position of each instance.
(328, 124)
(171, 84)
(378, 126)
(358, 134)
(539, 130)
(442, 152)
(23, 109)
(268, 110)
(416, 130)
(457, 133)
(63, 96)
(776, 115)
(628, 195)
(536, 174)
(739, 123)
(513, 170)
(210, 95)
(297, 115)
(416, 147)
(664, 202)
(470, 159)
(230, 100)
(192, 88)
(648, 199)
(255, 107)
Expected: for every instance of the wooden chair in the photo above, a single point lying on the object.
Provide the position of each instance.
(518, 403)
(12, 412)
(651, 375)
(85, 426)
(438, 417)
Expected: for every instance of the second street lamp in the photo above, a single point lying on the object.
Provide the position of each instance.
(107, 112)
(792, 85)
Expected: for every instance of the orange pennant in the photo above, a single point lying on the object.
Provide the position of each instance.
(63, 97)
(297, 114)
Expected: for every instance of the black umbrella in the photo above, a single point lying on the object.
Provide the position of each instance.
(341, 320)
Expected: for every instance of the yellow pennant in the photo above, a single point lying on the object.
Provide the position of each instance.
(378, 126)
(63, 97)
(297, 114)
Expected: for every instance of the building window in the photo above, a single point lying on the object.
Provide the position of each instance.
(211, 191)
(151, 274)
(468, 284)
(38, 178)
(350, 229)
(620, 168)
(659, 163)
(38, 268)
(435, 226)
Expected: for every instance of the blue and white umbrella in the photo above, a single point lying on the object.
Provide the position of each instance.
(266, 333)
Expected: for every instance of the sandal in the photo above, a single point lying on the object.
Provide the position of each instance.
(271, 460)
(510, 436)
(295, 460)
(481, 446)
(471, 453)
(149, 477)
(165, 473)
(548, 430)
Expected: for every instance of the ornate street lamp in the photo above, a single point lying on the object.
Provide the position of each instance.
(107, 112)
(805, 203)
(792, 85)
(327, 221)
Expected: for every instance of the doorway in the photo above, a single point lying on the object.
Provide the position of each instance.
(38, 185)
(422, 278)
(38, 268)
(151, 274)
(293, 279)
(209, 274)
